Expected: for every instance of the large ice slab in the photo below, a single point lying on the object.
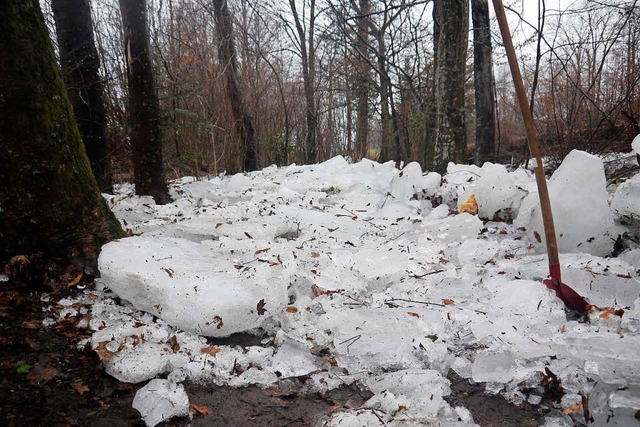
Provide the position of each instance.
(191, 287)
(161, 400)
(580, 207)
(626, 200)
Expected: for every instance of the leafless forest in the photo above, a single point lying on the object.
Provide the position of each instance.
(317, 78)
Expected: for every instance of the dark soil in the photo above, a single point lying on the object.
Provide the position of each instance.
(45, 380)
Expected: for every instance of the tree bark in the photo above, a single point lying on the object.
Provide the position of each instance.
(362, 80)
(80, 66)
(50, 202)
(451, 17)
(308, 57)
(144, 110)
(483, 82)
(229, 62)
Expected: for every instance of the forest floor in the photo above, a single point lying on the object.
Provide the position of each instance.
(45, 379)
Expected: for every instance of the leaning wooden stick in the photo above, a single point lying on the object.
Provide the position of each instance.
(570, 297)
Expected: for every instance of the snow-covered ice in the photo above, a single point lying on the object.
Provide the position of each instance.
(353, 274)
(161, 400)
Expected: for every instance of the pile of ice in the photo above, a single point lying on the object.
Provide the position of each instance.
(365, 274)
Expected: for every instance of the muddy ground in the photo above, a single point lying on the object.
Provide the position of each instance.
(45, 380)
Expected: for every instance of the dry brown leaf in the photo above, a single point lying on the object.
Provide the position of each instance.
(169, 271)
(315, 254)
(537, 236)
(31, 324)
(469, 206)
(573, 409)
(414, 314)
(259, 251)
(260, 307)
(80, 387)
(211, 351)
(75, 281)
(199, 409)
(291, 309)
(317, 290)
(42, 375)
(102, 345)
(218, 225)
(173, 342)
(448, 301)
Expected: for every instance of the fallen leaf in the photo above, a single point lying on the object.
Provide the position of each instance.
(411, 313)
(169, 272)
(291, 309)
(317, 290)
(573, 409)
(248, 235)
(260, 307)
(469, 206)
(218, 321)
(199, 409)
(79, 387)
(259, 251)
(31, 324)
(218, 225)
(102, 345)
(537, 236)
(173, 342)
(75, 281)
(448, 301)
(211, 351)
(315, 254)
(42, 375)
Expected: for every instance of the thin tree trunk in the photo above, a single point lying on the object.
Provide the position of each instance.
(483, 82)
(308, 56)
(362, 81)
(229, 62)
(144, 110)
(80, 66)
(451, 136)
(50, 202)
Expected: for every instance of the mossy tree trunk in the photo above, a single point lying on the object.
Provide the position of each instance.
(49, 199)
(144, 109)
(452, 22)
(80, 66)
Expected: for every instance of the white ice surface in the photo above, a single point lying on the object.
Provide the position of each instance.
(579, 201)
(161, 400)
(365, 282)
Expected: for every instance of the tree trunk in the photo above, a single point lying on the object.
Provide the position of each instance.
(483, 82)
(50, 202)
(80, 66)
(363, 81)
(308, 57)
(451, 17)
(229, 63)
(144, 110)
(387, 151)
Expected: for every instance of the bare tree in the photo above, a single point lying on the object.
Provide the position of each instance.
(144, 110)
(80, 66)
(229, 63)
(307, 47)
